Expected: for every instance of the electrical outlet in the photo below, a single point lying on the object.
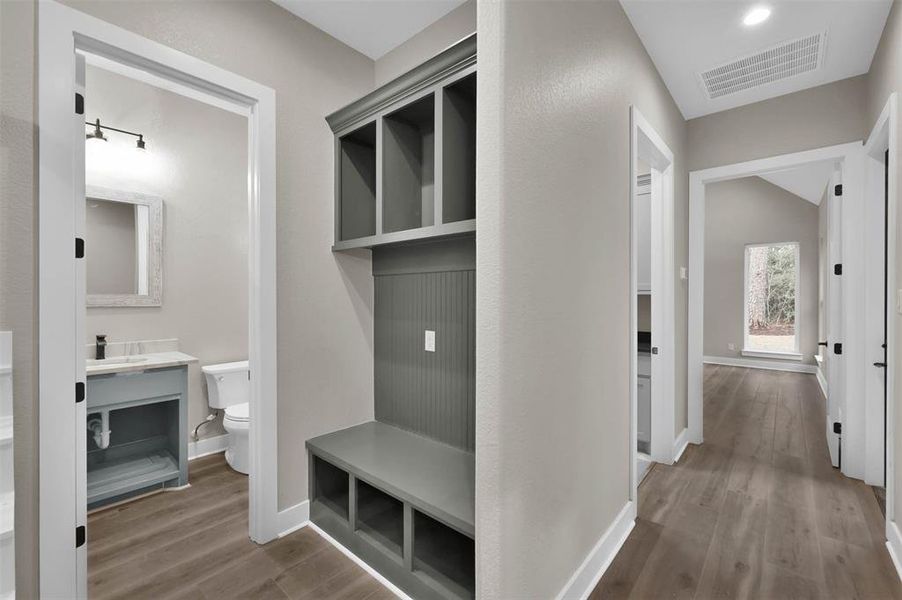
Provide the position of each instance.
(731, 347)
(430, 341)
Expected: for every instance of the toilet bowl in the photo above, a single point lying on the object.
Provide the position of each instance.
(228, 389)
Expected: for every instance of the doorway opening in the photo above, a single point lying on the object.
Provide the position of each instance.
(66, 37)
(654, 436)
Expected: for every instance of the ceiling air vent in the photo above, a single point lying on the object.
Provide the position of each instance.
(782, 61)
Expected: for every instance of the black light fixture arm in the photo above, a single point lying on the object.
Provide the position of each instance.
(97, 126)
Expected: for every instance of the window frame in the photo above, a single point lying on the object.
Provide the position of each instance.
(795, 354)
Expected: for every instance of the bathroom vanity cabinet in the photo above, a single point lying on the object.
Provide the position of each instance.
(148, 439)
(405, 156)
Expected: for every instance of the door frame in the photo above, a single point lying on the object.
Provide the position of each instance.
(848, 155)
(62, 33)
(647, 143)
(884, 137)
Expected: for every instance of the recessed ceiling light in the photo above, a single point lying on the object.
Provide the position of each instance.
(756, 16)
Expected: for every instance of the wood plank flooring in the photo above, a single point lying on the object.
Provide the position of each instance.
(757, 511)
(193, 543)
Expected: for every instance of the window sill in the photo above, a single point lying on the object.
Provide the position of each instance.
(771, 354)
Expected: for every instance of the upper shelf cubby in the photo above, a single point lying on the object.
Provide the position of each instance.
(405, 155)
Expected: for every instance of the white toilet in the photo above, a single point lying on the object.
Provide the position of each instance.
(228, 388)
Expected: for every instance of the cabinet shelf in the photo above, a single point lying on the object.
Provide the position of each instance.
(405, 156)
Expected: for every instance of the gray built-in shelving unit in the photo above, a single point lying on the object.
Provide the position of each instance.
(400, 491)
(405, 156)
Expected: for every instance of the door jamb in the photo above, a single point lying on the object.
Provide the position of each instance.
(61, 32)
(645, 141)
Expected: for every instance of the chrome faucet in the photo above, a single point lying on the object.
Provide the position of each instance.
(101, 347)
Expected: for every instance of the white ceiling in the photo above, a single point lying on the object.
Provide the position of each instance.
(808, 182)
(372, 27)
(685, 37)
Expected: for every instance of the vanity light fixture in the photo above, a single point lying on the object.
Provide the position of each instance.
(97, 134)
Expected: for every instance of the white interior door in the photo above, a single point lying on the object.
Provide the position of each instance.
(80, 450)
(832, 362)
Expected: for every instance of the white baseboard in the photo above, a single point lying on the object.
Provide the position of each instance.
(679, 444)
(208, 446)
(822, 381)
(602, 555)
(293, 518)
(894, 545)
(360, 562)
(760, 364)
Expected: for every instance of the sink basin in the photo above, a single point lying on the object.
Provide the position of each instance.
(116, 360)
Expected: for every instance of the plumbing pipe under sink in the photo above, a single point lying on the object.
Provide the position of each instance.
(100, 428)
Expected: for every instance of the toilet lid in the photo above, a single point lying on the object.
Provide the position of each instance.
(238, 412)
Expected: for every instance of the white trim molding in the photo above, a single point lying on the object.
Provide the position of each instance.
(293, 518)
(589, 573)
(360, 562)
(894, 545)
(680, 444)
(729, 361)
(772, 354)
(822, 381)
(208, 446)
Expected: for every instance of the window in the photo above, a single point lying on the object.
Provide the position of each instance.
(772, 300)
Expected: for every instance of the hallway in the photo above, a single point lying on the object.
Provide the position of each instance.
(757, 511)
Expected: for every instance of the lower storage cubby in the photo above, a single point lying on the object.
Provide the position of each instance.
(443, 557)
(331, 487)
(380, 518)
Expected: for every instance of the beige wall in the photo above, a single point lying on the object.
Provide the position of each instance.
(453, 27)
(17, 268)
(556, 83)
(885, 78)
(324, 299)
(197, 162)
(822, 116)
(754, 211)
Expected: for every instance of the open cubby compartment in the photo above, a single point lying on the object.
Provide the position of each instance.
(357, 183)
(408, 166)
(380, 518)
(443, 558)
(331, 487)
(142, 454)
(459, 150)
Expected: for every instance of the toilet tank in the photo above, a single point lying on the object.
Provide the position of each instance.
(227, 384)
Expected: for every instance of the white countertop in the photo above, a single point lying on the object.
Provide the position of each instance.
(139, 362)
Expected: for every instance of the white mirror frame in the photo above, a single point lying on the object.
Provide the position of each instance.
(154, 262)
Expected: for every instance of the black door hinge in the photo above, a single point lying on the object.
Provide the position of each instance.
(79, 104)
(79, 248)
(837, 348)
(80, 536)
(837, 428)
(837, 269)
(79, 392)
(837, 190)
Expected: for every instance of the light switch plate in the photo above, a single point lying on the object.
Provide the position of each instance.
(430, 341)
(684, 273)
(731, 347)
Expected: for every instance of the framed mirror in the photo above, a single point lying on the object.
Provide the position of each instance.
(123, 248)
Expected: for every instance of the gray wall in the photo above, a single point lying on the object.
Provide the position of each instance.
(813, 118)
(884, 78)
(418, 288)
(453, 27)
(197, 162)
(17, 268)
(552, 383)
(754, 211)
(325, 342)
